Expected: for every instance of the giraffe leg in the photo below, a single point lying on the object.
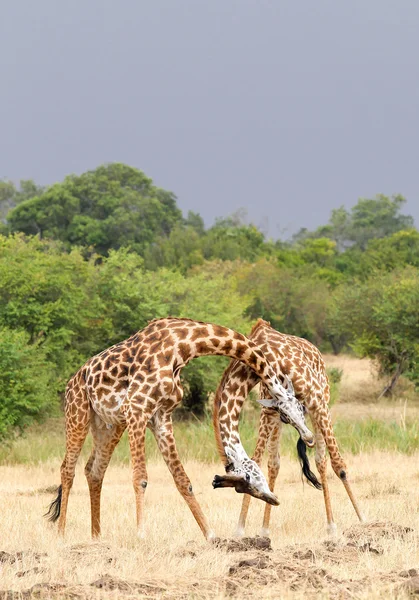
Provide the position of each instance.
(338, 464)
(263, 435)
(137, 415)
(75, 436)
(162, 429)
(77, 419)
(321, 464)
(105, 441)
(273, 469)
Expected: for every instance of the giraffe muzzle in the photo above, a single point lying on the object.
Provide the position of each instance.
(243, 487)
(309, 440)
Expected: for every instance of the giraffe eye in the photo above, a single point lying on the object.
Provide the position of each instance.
(247, 477)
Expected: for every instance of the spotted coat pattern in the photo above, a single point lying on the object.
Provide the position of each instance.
(136, 384)
(302, 362)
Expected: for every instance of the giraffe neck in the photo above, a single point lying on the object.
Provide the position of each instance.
(206, 339)
(237, 383)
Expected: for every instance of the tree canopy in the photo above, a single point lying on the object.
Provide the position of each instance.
(113, 206)
(86, 262)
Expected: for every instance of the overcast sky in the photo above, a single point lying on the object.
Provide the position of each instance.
(285, 108)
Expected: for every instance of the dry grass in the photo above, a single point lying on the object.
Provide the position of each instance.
(361, 382)
(175, 562)
(372, 561)
(399, 411)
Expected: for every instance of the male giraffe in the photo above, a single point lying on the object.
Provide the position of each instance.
(299, 360)
(136, 384)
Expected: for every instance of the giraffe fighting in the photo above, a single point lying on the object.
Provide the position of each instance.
(136, 384)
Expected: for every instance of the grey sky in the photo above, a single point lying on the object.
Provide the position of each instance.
(286, 108)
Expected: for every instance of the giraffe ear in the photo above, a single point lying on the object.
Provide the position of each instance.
(267, 402)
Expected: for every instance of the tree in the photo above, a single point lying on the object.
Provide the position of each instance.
(7, 193)
(181, 249)
(113, 206)
(196, 222)
(230, 242)
(52, 296)
(320, 251)
(377, 218)
(370, 218)
(11, 196)
(380, 317)
(294, 300)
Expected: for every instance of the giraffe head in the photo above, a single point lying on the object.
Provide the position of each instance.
(289, 408)
(245, 476)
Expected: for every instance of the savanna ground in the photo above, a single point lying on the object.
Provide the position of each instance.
(377, 560)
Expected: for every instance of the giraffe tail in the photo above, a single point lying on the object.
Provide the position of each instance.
(305, 465)
(55, 507)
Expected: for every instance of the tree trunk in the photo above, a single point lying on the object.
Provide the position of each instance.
(388, 389)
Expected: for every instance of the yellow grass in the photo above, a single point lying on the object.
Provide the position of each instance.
(360, 381)
(176, 562)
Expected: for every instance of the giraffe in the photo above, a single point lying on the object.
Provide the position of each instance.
(302, 363)
(135, 384)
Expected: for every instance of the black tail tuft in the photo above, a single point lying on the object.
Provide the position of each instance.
(305, 465)
(55, 506)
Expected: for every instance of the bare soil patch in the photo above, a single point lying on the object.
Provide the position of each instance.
(245, 544)
(297, 569)
(378, 559)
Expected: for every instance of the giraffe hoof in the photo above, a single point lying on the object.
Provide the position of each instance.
(239, 532)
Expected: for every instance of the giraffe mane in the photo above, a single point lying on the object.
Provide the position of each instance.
(258, 325)
(216, 412)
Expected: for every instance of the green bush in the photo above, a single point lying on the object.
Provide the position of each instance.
(335, 377)
(26, 393)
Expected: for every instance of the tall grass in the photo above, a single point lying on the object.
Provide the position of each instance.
(195, 440)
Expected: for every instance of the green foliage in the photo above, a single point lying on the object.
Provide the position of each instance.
(377, 218)
(181, 249)
(293, 300)
(335, 377)
(195, 440)
(111, 207)
(370, 218)
(11, 196)
(228, 242)
(387, 254)
(25, 382)
(107, 251)
(72, 308)
(203, 297)
(52, 296)
(188, 245)
(380, 317)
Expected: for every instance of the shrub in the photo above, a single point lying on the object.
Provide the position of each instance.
(26, 393)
